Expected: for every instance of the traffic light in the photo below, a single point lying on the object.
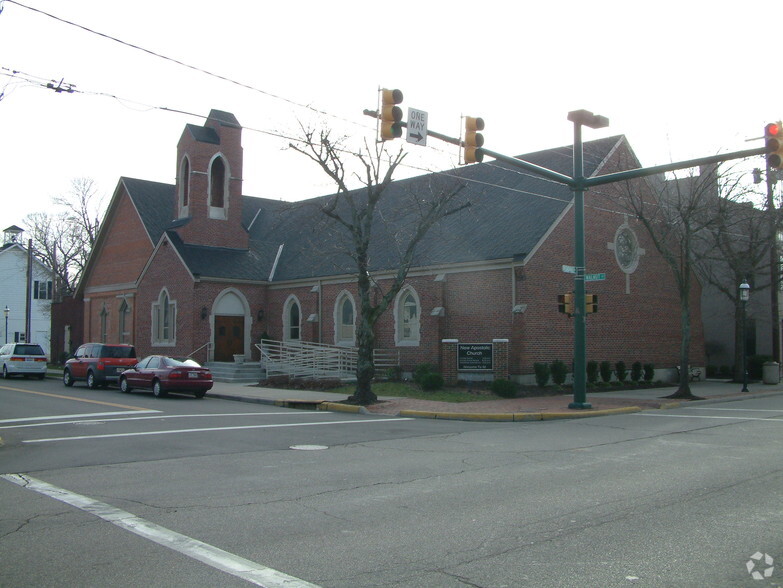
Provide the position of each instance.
(591, 303)
(473, 140)
(565, 303)
(391, 114)
(773, 136)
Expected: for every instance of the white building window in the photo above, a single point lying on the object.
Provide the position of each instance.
(345, 320)
(104, 324)
(407, 311)
(42, 290)
(164, 320)
(292, 320)
(123, 325)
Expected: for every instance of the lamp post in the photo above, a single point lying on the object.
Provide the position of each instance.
(744, 292)
(6, 310)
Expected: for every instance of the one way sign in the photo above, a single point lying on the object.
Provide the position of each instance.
(417, 127)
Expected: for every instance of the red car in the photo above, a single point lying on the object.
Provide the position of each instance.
(163, 374)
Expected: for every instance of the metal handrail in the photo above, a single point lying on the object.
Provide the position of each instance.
(208, 345)
(305, 359)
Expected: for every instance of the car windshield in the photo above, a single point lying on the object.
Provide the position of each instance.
(29, 350)
(122, 352)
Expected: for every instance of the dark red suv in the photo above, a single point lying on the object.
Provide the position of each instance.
(98, 364)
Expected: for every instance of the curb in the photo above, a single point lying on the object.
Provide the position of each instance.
(516, 416)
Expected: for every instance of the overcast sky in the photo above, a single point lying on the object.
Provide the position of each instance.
(680, 79)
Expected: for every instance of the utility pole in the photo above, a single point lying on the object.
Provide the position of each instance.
(774, 264)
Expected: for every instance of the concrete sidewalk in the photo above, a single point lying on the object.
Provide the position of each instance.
(514, 409)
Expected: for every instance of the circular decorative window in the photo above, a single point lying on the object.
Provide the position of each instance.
(626, 249)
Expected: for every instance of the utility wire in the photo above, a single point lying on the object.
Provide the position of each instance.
(186, 65)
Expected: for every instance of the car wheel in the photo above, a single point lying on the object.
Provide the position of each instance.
(5, 373)
(67, 378)
(200, 394)
(124, 387)
(157, 389)
(41, 376)
(91, 380)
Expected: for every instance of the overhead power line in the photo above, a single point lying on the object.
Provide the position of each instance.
(183, 64)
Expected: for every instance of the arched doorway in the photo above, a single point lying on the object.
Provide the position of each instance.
(230, 332)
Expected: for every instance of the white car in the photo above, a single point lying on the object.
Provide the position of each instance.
(27, 359)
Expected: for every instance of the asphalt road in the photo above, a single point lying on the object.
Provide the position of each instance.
(101, 488)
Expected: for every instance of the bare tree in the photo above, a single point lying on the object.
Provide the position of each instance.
(736, 246)
(358, 213)
(695, 225)
(62, 239)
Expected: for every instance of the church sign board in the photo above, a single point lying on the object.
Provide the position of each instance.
(474, 357)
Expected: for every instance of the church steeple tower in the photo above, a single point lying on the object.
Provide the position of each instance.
(208, 206)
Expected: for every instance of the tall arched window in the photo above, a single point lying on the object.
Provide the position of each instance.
(217, 183)
(164, 319)
(407, 313)
(123, 326)
(344, 328)
(292, 319)
(104, 324)
(184, 185)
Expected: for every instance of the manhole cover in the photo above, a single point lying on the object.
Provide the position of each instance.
(308, 447)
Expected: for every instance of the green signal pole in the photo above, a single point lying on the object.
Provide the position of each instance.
(579, 118)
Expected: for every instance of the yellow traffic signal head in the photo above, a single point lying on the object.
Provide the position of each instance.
(591, 303)
(565, 303)
(773, 137)
(474, 140)
(391, 114)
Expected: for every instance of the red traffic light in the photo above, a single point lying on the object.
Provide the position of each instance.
(773, 135)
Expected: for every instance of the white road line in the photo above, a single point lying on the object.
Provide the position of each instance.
(206, 429)
(698, 416)
(158, 417)
(77, 416)
(733, 409)
(212, 556)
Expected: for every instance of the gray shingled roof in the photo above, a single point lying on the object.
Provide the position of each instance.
(155, 203)
(510, 211)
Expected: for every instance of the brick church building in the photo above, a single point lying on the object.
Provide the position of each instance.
(199, 267)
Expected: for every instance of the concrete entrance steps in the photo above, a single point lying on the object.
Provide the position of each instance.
(249, 372)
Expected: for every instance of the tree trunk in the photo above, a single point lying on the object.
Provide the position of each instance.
(365, 336)
(684, 389)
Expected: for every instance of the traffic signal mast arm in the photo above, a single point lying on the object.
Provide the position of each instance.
(542, 171)
(595, 180)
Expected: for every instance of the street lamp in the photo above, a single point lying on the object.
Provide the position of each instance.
(744, 292)
(6, 310)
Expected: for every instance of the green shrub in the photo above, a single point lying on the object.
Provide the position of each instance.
(504, 388)
(559, 371)
(605, 368)
(649, 372)
(592, 372)
(636, 371)
(621, 371)
(431, 381)
(421, 370)
(542, 373)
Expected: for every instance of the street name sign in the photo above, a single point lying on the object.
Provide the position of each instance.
(594, 277)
